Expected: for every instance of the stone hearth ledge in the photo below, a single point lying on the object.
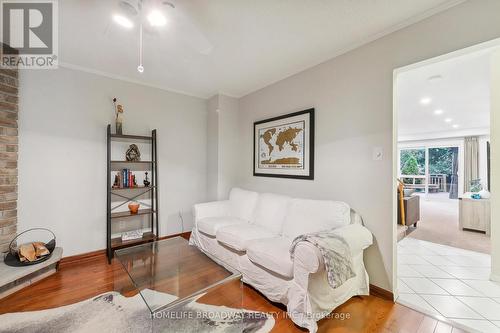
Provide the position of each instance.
(13, 279)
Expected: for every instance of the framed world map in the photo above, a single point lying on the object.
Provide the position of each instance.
(284, 146)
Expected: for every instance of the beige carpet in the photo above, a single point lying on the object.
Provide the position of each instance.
(439, 224)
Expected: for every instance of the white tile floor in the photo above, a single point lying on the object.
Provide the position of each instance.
(445, 281)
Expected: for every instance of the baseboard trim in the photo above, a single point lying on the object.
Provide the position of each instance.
(92, 255)
(82, 257)
(494, 277)
(185, 235)
(381, 292)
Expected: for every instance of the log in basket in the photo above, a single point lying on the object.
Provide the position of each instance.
(13, 257)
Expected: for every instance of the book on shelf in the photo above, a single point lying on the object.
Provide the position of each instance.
(124, 179)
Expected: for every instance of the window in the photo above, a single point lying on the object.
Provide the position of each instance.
(412, 162)
(430, 170)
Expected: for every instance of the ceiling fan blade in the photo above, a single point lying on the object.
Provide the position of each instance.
(179, 22)
(129, 7)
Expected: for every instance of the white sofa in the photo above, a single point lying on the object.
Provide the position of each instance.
(252, 233)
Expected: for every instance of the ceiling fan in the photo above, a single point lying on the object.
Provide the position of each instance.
(153, 15)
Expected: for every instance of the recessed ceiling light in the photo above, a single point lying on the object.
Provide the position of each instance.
(156, 19)
(448, 120)
(123, 21)
(426, 101)
(438, 112)
(456, 126)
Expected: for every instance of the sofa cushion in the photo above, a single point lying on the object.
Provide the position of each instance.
(271, 210)
(210, 225)
(243, 203)
(308, 216)
(237, 236)
(272, 254)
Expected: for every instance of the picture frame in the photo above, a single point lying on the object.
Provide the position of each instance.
(284, 146)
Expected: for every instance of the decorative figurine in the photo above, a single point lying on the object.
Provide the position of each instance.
(133, 154)
(118, 117)
(146, 180)
(134, 182)
(116, 184)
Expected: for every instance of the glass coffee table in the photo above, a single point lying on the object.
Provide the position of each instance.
(177, 281)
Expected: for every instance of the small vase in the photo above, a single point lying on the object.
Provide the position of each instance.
(133, 207)
(119, 129)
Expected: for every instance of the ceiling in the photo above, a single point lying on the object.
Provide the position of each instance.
(459, 87)
(251, 43)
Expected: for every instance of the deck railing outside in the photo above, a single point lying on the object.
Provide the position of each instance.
(432, 183)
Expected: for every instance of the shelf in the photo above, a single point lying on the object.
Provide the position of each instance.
(132, 188)
(117, 198)
(131, 137)
(135, 166)
(133, 162)
(128, 214)
(117, 243)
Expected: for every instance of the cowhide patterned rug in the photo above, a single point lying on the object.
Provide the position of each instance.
(112, 312)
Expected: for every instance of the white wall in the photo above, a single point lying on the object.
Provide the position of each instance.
(213, 148)
(495, 162)
(222, 141)
(229, 131)
(353, 97)
(62, 160)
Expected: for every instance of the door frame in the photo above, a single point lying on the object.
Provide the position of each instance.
(495, 202)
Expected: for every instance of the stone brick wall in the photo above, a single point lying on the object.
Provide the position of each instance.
(8, 155)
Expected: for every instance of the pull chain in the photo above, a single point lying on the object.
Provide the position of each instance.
(140, 68)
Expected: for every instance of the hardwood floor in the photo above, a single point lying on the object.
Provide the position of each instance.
(80, 280)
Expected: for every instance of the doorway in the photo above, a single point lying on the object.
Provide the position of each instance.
(441, 165)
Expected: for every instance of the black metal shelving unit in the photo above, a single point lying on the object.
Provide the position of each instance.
(131, 193)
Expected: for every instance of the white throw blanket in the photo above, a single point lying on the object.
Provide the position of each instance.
(336, 255)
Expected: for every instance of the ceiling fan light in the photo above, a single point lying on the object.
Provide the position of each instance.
(123, 21)
(156, 19)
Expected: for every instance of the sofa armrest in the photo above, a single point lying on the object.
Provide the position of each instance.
(357, 237)
(211, 209)
(308, 258)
